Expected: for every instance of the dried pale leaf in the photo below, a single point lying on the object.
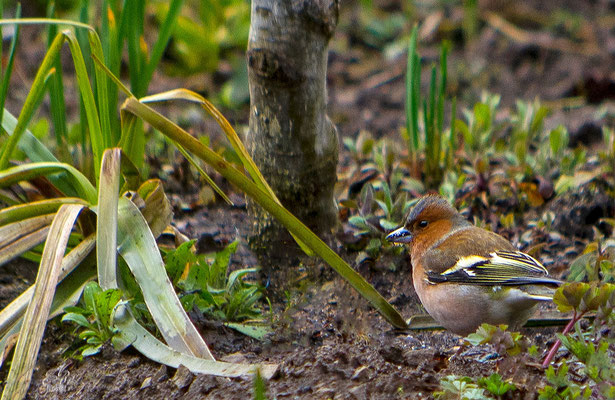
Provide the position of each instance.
(138, 247)
(106, 223)
(31, 332)
(23, 244)
(148, 345)
(12, 232)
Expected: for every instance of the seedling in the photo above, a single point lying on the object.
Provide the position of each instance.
(205, 284)
(93, 320)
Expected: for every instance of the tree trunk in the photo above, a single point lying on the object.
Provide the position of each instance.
(291, 139)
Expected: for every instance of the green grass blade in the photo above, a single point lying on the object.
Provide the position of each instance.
(164, 34)
(8, 71)
(37, 152)
(431, 136)
(291, 222)
(442, 84)
(112, 52)
(102, 84)
(96, 135)
(411, 109)
(452, 138)
(29, 144)
(56, 95)
(135, 11)
(35, 94)
(32, 170)
(35, 208)
(35, 318)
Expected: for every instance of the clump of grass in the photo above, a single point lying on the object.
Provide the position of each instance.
(431, 140)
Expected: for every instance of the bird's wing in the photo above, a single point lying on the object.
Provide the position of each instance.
(498, 268)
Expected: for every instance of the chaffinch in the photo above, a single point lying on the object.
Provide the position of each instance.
(465, 275)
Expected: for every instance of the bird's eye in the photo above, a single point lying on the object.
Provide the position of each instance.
(423, 224)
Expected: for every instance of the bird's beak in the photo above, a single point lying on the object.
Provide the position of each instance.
(400, 235)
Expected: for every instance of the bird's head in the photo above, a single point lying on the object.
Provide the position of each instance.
(430, 219)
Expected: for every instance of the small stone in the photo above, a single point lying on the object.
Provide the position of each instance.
(183, 377)
(162, 374)
(147, 382)
(360, 373)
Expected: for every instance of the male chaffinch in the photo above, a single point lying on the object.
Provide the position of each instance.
(465, 275)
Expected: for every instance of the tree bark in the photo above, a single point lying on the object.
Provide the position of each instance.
(291, 139)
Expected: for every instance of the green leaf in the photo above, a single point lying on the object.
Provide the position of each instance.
(495, 385)
(91, 350)
(105, 302)
(580, 178)
(177, 260)
(568, 296)
(238, 274)
(388, 225)
(220, 264)
(78, 319)
(483, 334)
(90, 293)
(257, 332)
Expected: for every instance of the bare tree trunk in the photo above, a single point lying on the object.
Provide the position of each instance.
(291, 139)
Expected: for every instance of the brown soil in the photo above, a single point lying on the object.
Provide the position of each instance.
(329, 342)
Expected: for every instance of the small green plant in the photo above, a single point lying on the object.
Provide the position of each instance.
(379, 212)
(589, 346)
(361, 147)
(260, 390)
(204, 283)
(434, 138)
(479, 126)
(495, 385)
(505, 342)
(455, 387)
(93, 320)
(596, 263)
(561, 387)
(527, 125)
(464, 387)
